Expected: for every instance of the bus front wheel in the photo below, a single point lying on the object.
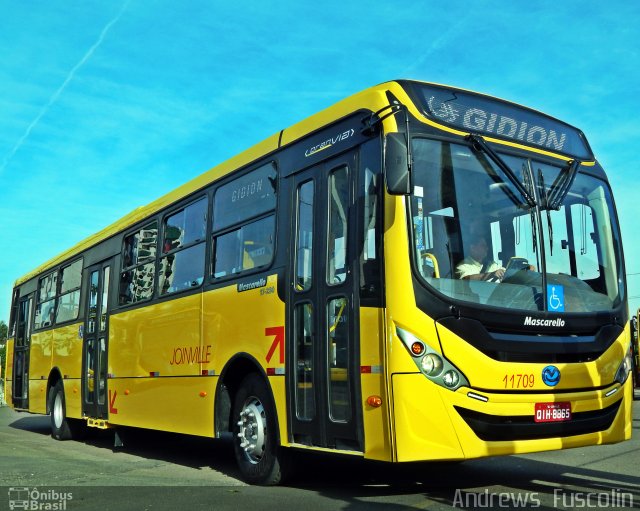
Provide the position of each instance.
(260, 459)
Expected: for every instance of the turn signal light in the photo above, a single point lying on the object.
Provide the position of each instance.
(417, 348)
(374, 401)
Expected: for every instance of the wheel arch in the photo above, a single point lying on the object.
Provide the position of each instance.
(54, 377)
(231, 376)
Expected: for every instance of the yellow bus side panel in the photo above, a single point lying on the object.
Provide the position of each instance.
(423, 429)
(40, 355)
(250, 322)
(67, 351)
(157, 350)
(377, 434)
(179, 405)
(67, 357)
(38, 396)
(73, 397)
(279, 389)
(162, 338)
(158, 353)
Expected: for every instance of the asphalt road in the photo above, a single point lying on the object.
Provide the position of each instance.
(158, 471)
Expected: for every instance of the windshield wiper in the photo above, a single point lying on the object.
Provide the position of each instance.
(527, 177)
(480, 145)
(544, 197)
(562, 185)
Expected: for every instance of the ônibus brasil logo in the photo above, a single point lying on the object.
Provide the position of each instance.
(529, 321)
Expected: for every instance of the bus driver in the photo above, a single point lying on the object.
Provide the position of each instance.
(472, 267)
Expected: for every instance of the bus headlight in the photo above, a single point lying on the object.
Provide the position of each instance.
(451, 378)
(625, 368)
(432, 364)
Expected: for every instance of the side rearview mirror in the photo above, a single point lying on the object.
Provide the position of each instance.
(397, 164)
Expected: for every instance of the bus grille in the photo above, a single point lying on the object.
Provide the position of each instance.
(498, 428)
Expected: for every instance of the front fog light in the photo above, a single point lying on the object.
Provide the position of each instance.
(432, 364)
(451, 378)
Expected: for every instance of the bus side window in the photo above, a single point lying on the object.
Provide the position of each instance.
(183, 242)
(137, 278)
(337, 232)
(245, 248)
(369, 212)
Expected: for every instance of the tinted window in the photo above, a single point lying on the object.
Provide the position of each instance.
(337, 232)
(304, 235)
(71, 277)
(140, 246)
(185, 227)
(138, 275)
(245, 248)
(241, 241)
(183, 241)
(245, 197)
(181, 270)
(69, 301)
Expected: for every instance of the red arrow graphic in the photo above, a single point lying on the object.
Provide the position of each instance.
(112, 402)
(278, 332)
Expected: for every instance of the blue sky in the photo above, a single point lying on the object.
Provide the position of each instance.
(104, 106)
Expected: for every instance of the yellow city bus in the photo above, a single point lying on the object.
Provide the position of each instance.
(417, 272)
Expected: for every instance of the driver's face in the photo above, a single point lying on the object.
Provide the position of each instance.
(479, 250)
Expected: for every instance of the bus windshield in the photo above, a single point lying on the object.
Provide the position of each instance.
(476, 239)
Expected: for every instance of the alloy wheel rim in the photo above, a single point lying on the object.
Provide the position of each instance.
(253, 429)
(57, 411)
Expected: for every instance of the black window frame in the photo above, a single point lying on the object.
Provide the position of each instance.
(37, 325)
(214, 233)
(60, 294)
(152, 260)
(13, 315)
(57, 294)
(161, 254)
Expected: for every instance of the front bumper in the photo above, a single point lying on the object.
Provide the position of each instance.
(432, 423)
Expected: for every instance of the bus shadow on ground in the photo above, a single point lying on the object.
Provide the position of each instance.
(544, 484)
(354, 481)
(184, 450)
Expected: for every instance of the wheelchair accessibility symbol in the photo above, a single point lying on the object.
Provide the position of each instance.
(555, 297)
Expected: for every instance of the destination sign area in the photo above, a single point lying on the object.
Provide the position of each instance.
(474, 113)
(245, 197)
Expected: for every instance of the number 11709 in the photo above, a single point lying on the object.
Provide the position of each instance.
(518, 381)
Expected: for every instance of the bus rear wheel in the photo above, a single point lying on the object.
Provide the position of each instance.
(260, 459)
(62, 428)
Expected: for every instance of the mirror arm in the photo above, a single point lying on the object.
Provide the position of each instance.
(373, 121)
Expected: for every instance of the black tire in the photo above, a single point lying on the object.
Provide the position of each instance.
(63, 428)
(255, 438)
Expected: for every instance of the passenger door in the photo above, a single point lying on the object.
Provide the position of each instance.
(322, 356)
(96, 343)
(20, 383)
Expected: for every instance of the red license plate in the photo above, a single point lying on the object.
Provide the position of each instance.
(552, 412)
